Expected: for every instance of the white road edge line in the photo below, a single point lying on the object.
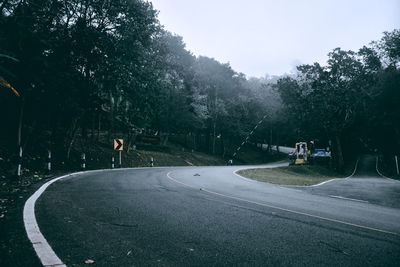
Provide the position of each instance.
(284, 209)
(42, 248)
(346, 198)
(351, 175)
(278, 164)
(324, 182)
(241, 177)
(377, 170)
(376, 167)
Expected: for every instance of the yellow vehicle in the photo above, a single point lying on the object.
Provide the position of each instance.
(302, 153)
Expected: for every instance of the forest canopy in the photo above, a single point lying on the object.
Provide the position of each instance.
(82, 66)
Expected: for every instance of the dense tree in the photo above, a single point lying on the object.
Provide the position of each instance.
(351, 99)
(83, 67)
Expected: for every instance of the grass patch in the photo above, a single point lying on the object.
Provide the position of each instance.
(291, 175)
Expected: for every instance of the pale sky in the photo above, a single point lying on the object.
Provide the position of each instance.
(259, 37)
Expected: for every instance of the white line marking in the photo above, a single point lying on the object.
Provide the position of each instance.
(346, 198)
(261, 167)
(355, 168)
(45, 253)
(284, 209)
(377, 170)
(241, 177)
(324, 182)
(43, 250)
(337, 179)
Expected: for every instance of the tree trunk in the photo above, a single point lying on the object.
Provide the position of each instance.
(111, 130)
(214, 133)
(71, 142)
(20, 120)
(165, 140)
(129, 142)
(70, 138)
(207, 141)
(339, 154)
(270, 141)
(222, 147)
(28, 134)
(84, 137)
(99, 127)
(277, 141)
(92, 130)
(194, 140)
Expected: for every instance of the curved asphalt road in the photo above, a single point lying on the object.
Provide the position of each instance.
(208, 216)
(366, 185)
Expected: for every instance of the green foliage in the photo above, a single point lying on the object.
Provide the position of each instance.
(109, 65)
(351, 100)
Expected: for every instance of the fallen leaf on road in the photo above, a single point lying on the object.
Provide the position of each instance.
(89, 261)
(129, 253)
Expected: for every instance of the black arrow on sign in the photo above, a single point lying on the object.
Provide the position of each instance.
(119, 144)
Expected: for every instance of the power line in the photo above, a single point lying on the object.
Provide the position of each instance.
(248, 136)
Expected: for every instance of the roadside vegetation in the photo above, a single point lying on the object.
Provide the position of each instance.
(300, 175)
(74, 75)
(70, 68)
(14, 245)
(388, 167)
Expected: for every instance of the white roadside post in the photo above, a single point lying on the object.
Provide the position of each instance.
(397, 165)
(48, 161)
(119, 145)
(19, 162)
(112, 162)
(83, 158)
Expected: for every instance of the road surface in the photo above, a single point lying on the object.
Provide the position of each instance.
(366, 185)
(208, 216)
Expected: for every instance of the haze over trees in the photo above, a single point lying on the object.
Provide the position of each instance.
(92, 66)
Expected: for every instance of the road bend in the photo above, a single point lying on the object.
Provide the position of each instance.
(208, 216)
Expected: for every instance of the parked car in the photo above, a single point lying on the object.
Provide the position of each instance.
(321, 153)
